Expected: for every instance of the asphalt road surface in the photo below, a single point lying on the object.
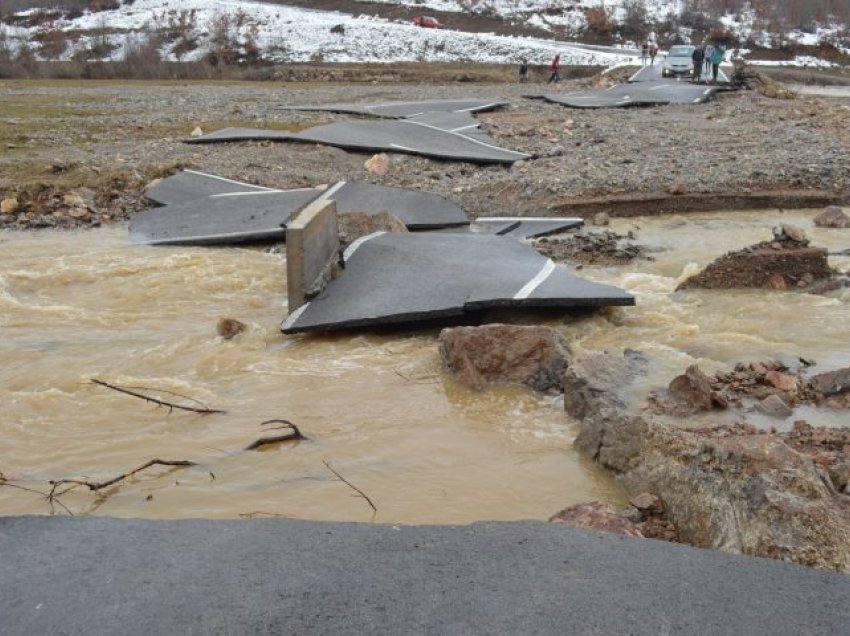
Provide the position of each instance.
(656, 93)
(652, 73)
(99, 576)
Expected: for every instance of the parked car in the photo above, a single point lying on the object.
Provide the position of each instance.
(678, 61)
(427, 22)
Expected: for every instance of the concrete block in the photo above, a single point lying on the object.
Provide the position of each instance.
(312, 249)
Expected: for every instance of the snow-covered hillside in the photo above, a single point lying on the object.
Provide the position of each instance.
(285, 33)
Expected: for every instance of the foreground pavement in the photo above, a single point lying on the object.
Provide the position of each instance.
(109, 576)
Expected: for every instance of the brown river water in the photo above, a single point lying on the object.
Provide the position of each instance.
(378, 408)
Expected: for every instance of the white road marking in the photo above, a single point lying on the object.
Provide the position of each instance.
(239, 183)
(535, 282)
(349, 251)
(405, 148)
(295, 315)
(330, 191)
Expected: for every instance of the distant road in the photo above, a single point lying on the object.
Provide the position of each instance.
(652, 73)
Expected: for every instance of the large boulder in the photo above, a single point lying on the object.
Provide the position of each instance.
(833, 216)
(730, 488)
(506, 354)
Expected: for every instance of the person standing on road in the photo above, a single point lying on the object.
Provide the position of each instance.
(717, 55)
(697, 57)
(644, 51)
(523, 71)
(653, 51)
(708, 51)
(554, 68)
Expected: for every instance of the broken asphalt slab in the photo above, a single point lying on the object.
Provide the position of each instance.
(392, 135)
(187, 185)
(253, 213)
(629, 95)
(397, 278)
(100, 576)
(401, 110)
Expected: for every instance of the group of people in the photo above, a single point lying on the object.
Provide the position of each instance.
(648, 51)
(708, 57)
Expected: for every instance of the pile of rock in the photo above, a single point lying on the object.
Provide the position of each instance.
(592, 248)
(50, 208)
(733, 488)
(785, 262)
(644, 518)
(768, 387)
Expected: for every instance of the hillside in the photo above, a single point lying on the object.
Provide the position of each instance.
(382, 31)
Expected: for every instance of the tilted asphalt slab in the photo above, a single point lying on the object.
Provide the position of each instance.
(221, 219)
(187, 185)
(393, 135)
(98, 576)
(397, 278)
(261, 214)
(399, 110)
(638, 94)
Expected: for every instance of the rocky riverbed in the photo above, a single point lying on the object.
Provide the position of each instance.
(112, 138)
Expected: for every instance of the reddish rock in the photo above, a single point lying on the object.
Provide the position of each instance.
(777, 282)
(229, 328)
(596, 515)
(378, 164)
(781, 381)
(692, 390)
(500, 354)
(833, 216)
(647, 503)
(9, 206)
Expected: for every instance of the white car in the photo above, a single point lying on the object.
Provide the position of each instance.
(678, 61)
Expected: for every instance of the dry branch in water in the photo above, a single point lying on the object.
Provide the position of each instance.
(359, 492)
(99, 485)
(170, 405)
(293, 434)
(4, 481)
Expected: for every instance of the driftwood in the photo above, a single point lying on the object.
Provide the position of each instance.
(4, 481)
(99, 485)
(359, 492)
(293, 434)
(170, 405)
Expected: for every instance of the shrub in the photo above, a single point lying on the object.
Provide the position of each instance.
(599, 20)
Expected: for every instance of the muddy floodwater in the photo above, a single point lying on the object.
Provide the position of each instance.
(376, 407)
